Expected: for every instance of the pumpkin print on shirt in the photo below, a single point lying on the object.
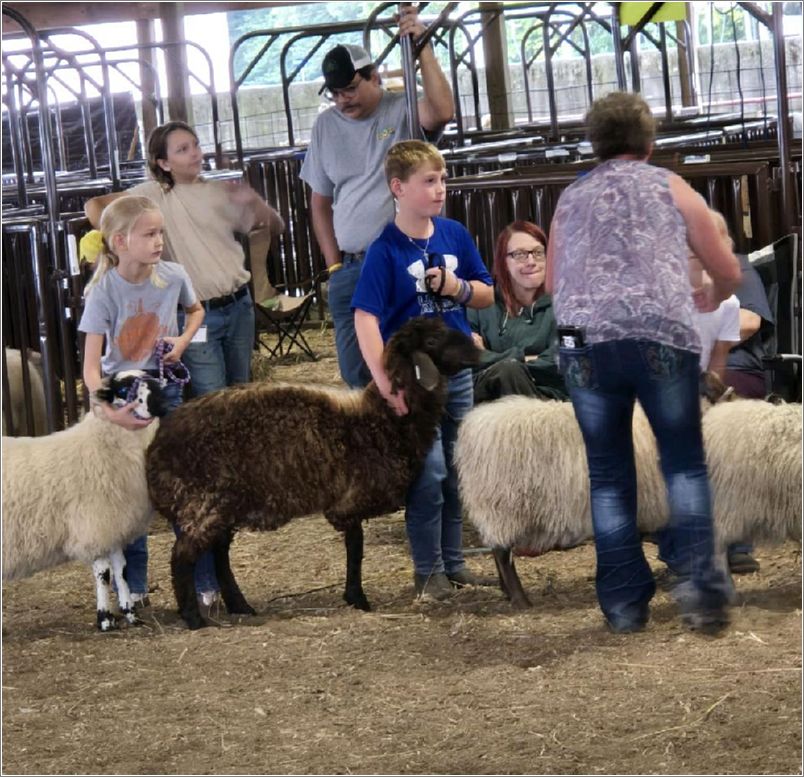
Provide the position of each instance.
(137, 337)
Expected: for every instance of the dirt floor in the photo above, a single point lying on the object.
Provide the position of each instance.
(310, 686)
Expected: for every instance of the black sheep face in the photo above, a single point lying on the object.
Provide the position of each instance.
(135, 386)
(449, 349)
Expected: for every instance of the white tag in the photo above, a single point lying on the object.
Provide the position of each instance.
(72, 255)
(200, 336)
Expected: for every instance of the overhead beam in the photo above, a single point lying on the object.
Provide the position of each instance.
(45, 16)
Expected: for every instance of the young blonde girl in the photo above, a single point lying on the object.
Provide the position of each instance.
(131, 303)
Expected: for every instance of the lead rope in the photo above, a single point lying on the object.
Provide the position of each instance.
(174, 372)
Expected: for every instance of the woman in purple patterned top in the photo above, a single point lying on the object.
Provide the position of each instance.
(618, 269)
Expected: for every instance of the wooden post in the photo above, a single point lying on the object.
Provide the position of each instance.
(145, 35)
(179, 105)
(495, 51)
(686, 63)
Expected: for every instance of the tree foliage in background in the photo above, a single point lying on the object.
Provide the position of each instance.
(520, 17)
(267, 71)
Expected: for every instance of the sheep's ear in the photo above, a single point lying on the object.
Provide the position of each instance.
(105, 393)
(426, 371)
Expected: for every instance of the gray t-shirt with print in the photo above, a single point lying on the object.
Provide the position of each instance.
(345, 161)
(133, 316)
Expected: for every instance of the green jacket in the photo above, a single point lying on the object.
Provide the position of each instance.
(532, 332)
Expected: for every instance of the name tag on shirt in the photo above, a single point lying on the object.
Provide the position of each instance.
(200, 336)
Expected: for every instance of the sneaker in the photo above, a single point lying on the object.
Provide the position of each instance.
(710, 622)
(209, 605)
(628, 618)
(435, 586)
(464, 577)
(208, 598)
(140, 601)
(625, 626)
(742, 564)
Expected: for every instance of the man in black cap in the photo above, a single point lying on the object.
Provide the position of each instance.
(351, 202)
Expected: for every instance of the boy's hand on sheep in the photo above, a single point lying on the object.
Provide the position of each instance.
(478, 340)
(124, 416)
(396, 401)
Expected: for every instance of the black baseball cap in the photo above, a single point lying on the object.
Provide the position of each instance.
(340, 65)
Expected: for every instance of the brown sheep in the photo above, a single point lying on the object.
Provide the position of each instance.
(309, 450)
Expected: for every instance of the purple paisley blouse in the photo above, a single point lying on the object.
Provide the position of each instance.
(620, 250)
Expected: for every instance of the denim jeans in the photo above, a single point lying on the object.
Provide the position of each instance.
(433, 509)
(225, 358)
(341, 289)
(136, 552)
(667, 552)
(604, 379)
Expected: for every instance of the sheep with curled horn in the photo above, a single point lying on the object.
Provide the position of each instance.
(257, 456)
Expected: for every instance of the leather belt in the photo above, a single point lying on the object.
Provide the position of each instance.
(226, 299)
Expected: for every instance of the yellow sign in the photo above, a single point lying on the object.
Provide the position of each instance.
(631, 13)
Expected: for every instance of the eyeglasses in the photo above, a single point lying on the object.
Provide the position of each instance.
(521, 255)
(347, 92)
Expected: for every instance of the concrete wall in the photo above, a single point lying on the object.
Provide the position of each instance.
(263, 123)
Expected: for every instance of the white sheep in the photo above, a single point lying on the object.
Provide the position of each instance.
(524, 480)
(16, 393)
(80, 495)
(753, 452)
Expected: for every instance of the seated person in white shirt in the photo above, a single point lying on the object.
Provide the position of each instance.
(719, 332)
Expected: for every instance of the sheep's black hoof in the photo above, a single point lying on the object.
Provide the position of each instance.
(131, 618)
(106, 621)
(194, 621)
(242, 609)
(520, 603)
(358, 601)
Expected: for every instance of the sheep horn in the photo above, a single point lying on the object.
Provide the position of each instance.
(426, 372)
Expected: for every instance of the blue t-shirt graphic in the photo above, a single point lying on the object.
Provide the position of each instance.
(391, 285)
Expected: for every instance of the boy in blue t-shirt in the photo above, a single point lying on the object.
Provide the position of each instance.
(424, 265)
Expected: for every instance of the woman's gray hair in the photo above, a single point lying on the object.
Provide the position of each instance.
(620, 123)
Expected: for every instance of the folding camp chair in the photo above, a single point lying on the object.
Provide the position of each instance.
(284, 317)
(779, 268)
(276, 313)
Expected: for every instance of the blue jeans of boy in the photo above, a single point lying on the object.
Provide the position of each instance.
(341, 289)
(433, 510)
(604, 380)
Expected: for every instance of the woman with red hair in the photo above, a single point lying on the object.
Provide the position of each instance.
(518, 333)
